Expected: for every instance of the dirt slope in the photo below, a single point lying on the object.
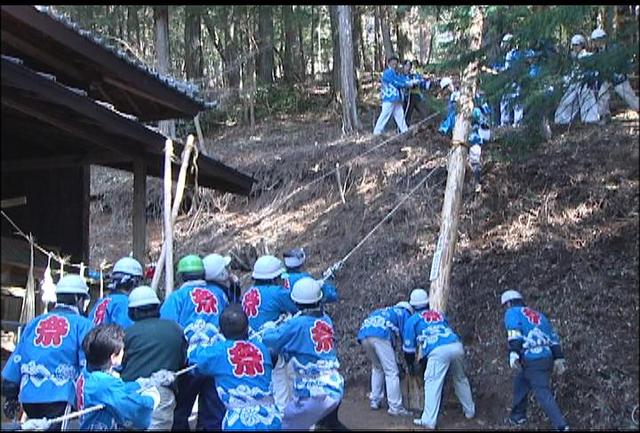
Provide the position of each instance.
(561, 226)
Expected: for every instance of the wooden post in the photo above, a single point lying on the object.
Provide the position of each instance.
(182, 176)
(168, 226)
(139, 210)
(443, 256)
(445, 249)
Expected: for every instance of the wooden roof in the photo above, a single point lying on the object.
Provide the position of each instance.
(52, 44)
(47, 124)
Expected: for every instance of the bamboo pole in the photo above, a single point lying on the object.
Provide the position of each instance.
(182, 175)
(168, 223)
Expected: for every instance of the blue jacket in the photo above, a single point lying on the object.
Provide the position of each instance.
(392, 85)
(196, 306)
(242, 372)
(113, 308)
(428, 329)
(265, 303)
(531, 335)
(446, 127)
(125, 406)
(329, 291)
(386, 323)
(308, 343)
(49, 356)
(416, 91)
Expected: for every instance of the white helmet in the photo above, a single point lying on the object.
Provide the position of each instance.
(578, 40)
(215, 267)
(306, 291)
(510, 295)
(128, 265)
(143, 295)
(294, 258)
(598, 34)
(72, 284)
(507, 37)
(407, 306)
(419, 298)
(445, 82)
(267, 267)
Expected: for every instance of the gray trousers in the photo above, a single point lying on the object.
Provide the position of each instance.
(162, 416)
(439, 361)
(384, 371)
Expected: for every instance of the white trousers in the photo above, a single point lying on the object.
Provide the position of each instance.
(388, 109)
(578, 98)
(438, 363)
(282, 383)
(302, 414)
(384, 371)
(508, 105)
(624, 90)
(162, 416)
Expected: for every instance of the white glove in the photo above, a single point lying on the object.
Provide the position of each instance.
(163, 377)
(36, 424)
(514, 360)
(559, 366)
(154, 394)
(145, 382)
(331, 270)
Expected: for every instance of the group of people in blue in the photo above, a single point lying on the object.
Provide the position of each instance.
(263, 358)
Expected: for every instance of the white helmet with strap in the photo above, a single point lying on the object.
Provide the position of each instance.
(306, 291)
(215, 267)
(294, 258)
(267, 267)
(128, 265)
(510, 295)
(507, 37)
(72, 284)
(143, 295)
(578, 40)
(598, 34)
(419, 298)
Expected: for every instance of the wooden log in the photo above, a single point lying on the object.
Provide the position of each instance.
(168, 223)
(139, 223)
(182, 176)
(13, 202)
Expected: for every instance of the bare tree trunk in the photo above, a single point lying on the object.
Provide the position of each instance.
(445, 250)
(401, 38)
(289, 64)
(193, 42)
(432, 35)
(335, 73)
(363, 51)
(161, 21)
(313, 41)
(356, 31)
(377, 64)
(265, 38)
(133, 27)
(350, 119)
(302, 65)
(386, 33)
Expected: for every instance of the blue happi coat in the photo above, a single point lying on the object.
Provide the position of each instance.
(446, 127)
(426, 330)
(424, 84)
(393, 84)
(329, 291)
(196, 306)
(531, 334)
(242, 372)
(308, 343)
(386, 323)
(112, 309)
(49, 356)
(264, 303)
(125, 406)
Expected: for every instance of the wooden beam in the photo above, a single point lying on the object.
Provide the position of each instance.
(139, 210)
(29, 164)
(13, 202)
(83, 50)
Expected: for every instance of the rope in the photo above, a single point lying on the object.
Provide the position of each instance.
(97, 407)
(332, 171)
(396, 207)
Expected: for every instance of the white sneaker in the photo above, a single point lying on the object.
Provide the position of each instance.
(375, 405)
(418, 421)
(469, 415)
(399, 412)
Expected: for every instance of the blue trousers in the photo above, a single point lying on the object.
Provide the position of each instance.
(535, 376)
(210, 409)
